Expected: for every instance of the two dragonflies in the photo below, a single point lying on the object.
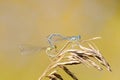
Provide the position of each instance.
(27, 49)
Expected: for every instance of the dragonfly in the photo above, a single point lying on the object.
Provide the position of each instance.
(52, 39)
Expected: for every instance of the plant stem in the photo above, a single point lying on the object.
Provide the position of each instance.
(58, 58)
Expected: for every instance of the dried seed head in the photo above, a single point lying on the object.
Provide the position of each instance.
(58, 76)
(68, 72)
(84, 55)
(54, 76)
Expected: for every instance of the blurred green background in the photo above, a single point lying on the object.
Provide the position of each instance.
(31, 21)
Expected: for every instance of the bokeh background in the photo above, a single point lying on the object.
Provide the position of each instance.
(31, 21)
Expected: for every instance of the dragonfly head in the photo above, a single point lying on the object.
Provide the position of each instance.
(51, 47)
(78, 37)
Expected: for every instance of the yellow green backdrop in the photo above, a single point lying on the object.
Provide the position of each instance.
(31, 21)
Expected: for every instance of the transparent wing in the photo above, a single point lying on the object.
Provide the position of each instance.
(29, 49)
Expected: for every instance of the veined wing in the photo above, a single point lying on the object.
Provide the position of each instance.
(29, 49)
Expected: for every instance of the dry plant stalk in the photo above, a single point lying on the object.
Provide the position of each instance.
(81, 55)
(54, 76)
(68, 72)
